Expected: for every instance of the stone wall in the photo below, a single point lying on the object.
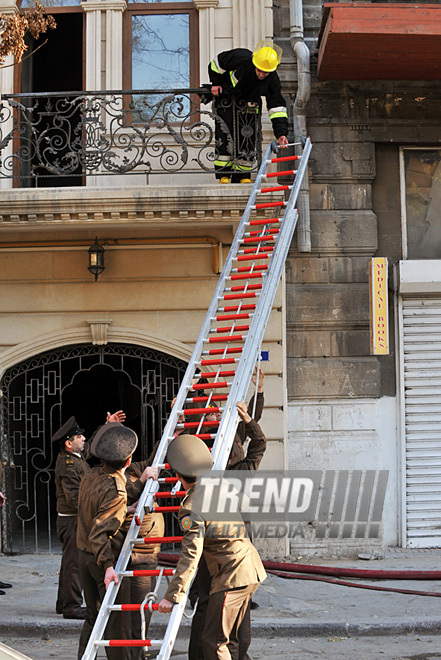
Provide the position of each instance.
(343, 405)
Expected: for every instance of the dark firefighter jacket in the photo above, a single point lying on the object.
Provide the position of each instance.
(235, 72)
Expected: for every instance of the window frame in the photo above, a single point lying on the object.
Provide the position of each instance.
(403, 201)
(138, 8)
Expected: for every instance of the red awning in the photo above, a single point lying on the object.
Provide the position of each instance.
(364, 41)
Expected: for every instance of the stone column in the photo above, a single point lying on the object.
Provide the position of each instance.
(104, 66)
(114, 43)
(93, 8)
(207, 34)
(112, 34)
(252, 21)
(8, 8)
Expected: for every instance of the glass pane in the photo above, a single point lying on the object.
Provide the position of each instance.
(158, 2)
(160, 51)
(423, 203)
(30, 4)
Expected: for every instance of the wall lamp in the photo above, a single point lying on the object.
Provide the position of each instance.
(96, 259)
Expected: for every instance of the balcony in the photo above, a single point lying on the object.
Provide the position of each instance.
(381, 41)
(77, 139)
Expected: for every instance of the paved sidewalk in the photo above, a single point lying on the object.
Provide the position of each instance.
(287, 607)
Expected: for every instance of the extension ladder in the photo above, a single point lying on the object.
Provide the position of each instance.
(226, 356)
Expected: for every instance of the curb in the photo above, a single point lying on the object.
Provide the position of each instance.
(261, 628)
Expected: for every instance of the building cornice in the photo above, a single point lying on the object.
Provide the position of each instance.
(53, 208)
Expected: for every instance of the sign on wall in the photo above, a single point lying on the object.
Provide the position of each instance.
(378, 306)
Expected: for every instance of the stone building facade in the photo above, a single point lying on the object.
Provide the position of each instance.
(373, 184)
(67, 341)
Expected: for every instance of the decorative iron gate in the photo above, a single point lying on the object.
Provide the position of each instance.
(41, 393)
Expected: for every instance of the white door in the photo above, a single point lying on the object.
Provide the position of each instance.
(421, 377)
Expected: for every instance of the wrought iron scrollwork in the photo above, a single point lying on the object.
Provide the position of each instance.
(121, 132)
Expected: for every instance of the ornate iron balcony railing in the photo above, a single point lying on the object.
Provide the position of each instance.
(61, 138)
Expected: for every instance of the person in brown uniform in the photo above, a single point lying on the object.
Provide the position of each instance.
(144, 556)
(102, 509)
(70, 467)
(233, 562)
(202, 583)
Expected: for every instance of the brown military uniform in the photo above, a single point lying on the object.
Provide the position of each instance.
(69, 470)
(235, 569)
(144, 556)
(202, 583)
(102, 507)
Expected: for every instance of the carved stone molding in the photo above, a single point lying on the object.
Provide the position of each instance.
(81, 335)
(205, 4)
(134, 206)
(98, 329)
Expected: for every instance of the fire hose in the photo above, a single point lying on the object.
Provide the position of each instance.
(329, 574)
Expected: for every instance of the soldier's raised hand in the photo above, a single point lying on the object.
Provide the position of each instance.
(242, 409)
(119, 416)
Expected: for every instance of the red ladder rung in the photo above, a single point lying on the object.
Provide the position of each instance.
(209, 386)
(213, 362)
(269, 205)
(201, 399)
(166, 509)
(259, 238)
(201, 411)
(179, 493)
(266, 221)
(168, 480)
(214, 340)
(253, 257)
(243, 269)
(234, 308)
(232, 317)
(237, 328)
(136, 607)
(194, 425)
(238, 296)
(146, 572)
(283, 159)
(205, 436)
(253, 250)
(221, 351)
(247, 275)
(220, 374)
(131, 642)
(247, 287)
(274, 189)
(284, 173)
(162, 539)
(273, 230)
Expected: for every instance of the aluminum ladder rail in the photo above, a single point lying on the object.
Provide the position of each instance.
(270, 243)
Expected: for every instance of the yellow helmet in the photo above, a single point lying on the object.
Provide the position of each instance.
(267, 56)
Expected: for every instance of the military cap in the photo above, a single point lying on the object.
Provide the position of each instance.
(68, 430)
(114, 442)
(189, 456)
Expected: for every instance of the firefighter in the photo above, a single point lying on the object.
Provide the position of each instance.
(239, 78)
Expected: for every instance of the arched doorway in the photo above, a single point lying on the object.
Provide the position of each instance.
(86, 381)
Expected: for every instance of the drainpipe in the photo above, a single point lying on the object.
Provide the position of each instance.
(299, 116)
